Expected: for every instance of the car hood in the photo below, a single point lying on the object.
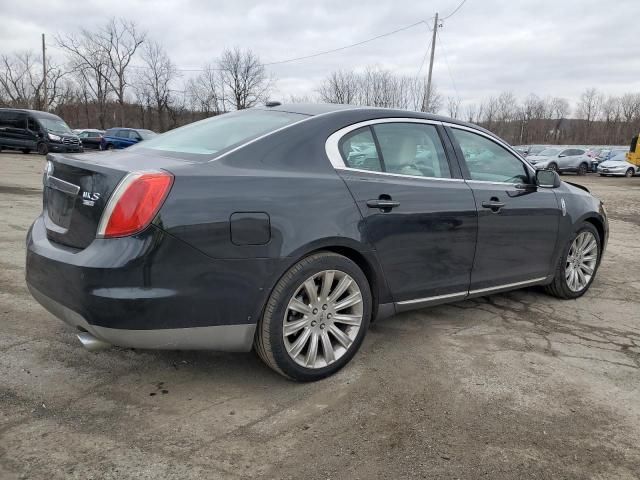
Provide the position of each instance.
(613, 164)
(537, 158)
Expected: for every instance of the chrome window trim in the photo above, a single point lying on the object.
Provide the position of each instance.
(503, 144)
(399, 175)
(332, 148)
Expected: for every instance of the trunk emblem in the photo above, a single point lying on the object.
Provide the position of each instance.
(89, 198)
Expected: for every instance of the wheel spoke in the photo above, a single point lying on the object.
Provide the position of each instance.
(347, 319)
(312, 291)
(300, 342)
(312, 352)
(327, 348)
(297, 306)
(327, 281)
(293, 327)
(340, 336)
(349, 301)
(582, 280)
(588, 248)
(342, 286)
(568, 272)
(589, 258)
(587, 269)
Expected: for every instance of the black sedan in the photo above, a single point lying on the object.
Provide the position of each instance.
(289, 228)
(91, 138)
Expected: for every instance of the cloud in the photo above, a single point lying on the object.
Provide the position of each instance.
(547, 47)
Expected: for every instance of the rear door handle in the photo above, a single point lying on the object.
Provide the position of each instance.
(382, 204)
(494, 205)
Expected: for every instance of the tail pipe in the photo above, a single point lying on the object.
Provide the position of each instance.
(92, 343)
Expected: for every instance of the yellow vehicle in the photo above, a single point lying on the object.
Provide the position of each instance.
(634, 152)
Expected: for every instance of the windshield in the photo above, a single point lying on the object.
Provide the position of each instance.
(204, 138)
(54, 125)
(549, 152)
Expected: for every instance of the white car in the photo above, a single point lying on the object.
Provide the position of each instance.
(562, 159)
(618, 166)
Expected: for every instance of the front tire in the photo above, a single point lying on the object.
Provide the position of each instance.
(316, 318)
(553, 166)
(629, 173)
(43, 148)
(582, 169)
(578, 264)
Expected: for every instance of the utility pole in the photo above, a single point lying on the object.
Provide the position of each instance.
(433, 51)
(44, 76)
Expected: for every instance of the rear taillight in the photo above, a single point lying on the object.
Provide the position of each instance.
(134, 203)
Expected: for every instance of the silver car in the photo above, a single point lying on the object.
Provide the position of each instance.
(562, 159)
(618, 166)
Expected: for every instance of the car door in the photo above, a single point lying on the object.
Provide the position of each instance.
(566, 159)
(417, 211)
(517, 222)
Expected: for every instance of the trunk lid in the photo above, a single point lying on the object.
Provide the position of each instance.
(77, 189)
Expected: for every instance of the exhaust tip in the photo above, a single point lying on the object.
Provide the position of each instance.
(92, 343)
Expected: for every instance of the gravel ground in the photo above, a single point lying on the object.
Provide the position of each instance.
(518, 385)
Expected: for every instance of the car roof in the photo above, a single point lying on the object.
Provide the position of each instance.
(313, 109)
(35, 113)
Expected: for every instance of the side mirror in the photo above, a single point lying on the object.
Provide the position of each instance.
(547, 179)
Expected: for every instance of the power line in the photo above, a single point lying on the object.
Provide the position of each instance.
(346, 46)
(446, 60)
(313, 55)
(454, 12)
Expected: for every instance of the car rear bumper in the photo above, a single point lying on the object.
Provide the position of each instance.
(149, 291)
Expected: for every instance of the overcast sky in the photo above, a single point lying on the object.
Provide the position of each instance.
(557, 47)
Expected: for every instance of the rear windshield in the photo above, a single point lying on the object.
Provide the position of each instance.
(202, 140)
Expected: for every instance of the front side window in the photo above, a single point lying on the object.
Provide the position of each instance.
(487, 161)
(412, 149)
(358, 150)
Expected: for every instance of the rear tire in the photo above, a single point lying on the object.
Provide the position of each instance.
(110, 146)
(560, 286)
(43, 148)
(304, 354)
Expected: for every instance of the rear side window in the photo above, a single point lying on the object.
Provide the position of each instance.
(13, 120)
(487, 161)
(358, 150)
(412, 149)
(201, 140)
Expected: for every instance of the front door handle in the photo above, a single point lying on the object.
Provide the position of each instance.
(494, 204)
(382, 204)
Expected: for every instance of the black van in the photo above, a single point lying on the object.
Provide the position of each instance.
(28, 130)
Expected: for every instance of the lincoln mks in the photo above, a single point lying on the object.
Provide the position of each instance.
(289, 228)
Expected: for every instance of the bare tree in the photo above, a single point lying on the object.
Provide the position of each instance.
(90, 68)
(244, 78)
(590, 105)
(339, 87)
(453, 106)
(118, 42)
(630, 106)
(156, 78)
(206, 92)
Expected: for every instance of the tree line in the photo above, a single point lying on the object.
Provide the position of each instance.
(117, 75)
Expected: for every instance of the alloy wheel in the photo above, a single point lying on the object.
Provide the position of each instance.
(322, 319)
(629, 173)
(581, 261)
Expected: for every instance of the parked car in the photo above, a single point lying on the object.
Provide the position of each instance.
(262, 228)
(116, 138)
(618, 166)
(91, 138)
(526, 150)
(28, 130)
(563, 159)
